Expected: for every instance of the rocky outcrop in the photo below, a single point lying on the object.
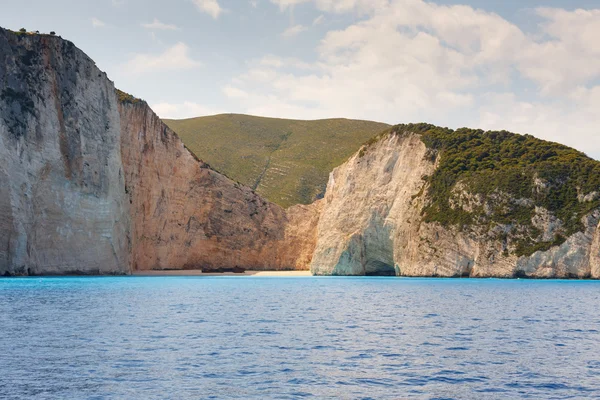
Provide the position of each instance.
(62, 204)
(93, 184)
(300, 238)
(372, 224)
(185, 215)
(368, 209)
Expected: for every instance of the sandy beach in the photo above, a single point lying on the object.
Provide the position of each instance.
(283, 274)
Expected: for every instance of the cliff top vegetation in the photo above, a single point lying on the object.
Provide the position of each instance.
(127, 98)
(512, 175)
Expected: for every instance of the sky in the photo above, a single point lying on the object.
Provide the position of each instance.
(527, 66)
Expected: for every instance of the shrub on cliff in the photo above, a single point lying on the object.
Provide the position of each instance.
(511, 174)
(127, 98)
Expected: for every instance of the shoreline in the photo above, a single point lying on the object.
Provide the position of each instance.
(193, 272)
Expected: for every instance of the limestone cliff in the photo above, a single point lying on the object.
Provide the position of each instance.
(95, 184)
(374, 223)
(185, 215)
(92, 182)
(62, 204)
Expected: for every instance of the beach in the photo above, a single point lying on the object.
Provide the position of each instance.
(283, 274)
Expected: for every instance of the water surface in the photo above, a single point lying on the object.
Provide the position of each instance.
(287, 338)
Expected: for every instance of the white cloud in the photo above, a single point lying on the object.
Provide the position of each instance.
(272, 61)
(210, 7)
(96, 23)
(234, 92)
(283, 4)
(118, 3)
(157, 25)
(293, 31)
(337, 6)
(572, 124)
(183, 110)
(174, 58)
(254, 3)
(572, 55)
(412, 60)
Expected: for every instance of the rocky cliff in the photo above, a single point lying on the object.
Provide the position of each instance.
(62, 204)
(92, 182)
(381, 215)
(184, 215)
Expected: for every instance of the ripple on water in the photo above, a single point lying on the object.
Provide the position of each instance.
(243, 338)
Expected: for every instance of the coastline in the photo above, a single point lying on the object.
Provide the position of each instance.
(282, 274)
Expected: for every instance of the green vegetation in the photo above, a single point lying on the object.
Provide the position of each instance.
(20, 32)
(127, 98)
(512, 174)
(23, 32)
(286, 161)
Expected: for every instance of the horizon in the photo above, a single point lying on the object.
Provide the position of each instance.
(485, 65)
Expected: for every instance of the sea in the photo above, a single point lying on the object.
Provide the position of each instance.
(295, 338)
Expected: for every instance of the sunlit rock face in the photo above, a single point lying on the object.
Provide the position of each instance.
(91, 183)
(187, 216)
(372, 224)
(63, 207)
(369, 220)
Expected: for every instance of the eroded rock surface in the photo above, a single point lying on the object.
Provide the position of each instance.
(63, 207)
(93, 184)
(372, 224)
(187, 216)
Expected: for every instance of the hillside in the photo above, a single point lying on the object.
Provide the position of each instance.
(420, 200)
(93, 182)
(508, 176)
(286, 161)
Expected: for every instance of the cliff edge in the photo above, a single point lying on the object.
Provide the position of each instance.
(93, 182)
(63, 208)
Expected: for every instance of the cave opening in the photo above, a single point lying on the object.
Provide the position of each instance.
(379, 268)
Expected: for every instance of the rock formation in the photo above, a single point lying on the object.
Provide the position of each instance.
(63, 208)
(373, 223)
(184, 215)
(92, 182)
(95, 184)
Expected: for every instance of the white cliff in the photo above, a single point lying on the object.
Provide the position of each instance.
(372, 224)
(63, 208)
(95, 183)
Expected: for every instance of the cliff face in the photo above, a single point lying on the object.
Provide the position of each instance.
(373, 224)
(95, 183)
(367, 209)
(187, 216)
(62, 203)
(90, 184)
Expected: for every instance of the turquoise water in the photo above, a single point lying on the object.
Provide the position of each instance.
(287, 338)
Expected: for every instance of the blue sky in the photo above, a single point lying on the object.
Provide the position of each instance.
(526, 66)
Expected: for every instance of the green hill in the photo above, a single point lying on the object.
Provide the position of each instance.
(286, 161)
(510, 177)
